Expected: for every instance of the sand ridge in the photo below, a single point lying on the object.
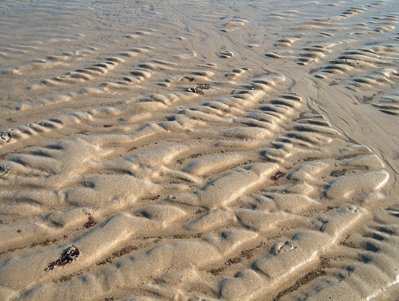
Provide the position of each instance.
(203, 150)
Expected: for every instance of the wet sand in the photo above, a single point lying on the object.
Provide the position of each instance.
(199, 150)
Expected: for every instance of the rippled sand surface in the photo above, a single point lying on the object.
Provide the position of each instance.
(199, 150)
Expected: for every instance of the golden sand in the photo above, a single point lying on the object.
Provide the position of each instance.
(199, 150)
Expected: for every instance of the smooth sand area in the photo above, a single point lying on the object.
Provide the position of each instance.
(199, 150)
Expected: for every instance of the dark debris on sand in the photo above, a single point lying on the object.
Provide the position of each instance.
(91, 221)
(278, 175)
(69, 255)
(198, 88)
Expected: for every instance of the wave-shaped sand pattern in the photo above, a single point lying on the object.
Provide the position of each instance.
(25, 49)
(320, 23)
(214, 196)
(41, 65)
(310, 54)
(375, 259)
(181, 163)
(375, 78)
(389, 104)
(86, 74)
(379, 63)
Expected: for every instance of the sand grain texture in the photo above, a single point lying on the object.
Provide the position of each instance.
(199, 150)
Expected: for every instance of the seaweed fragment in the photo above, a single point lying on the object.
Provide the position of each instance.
(198, 88)
(278, 175)
(69, 255)
(91, 221)
(5, 135)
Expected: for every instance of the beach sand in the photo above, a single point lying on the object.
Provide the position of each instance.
(199, 150)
